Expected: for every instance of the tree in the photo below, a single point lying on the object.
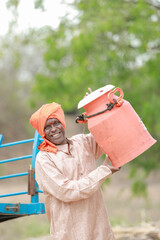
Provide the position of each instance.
(17, 69)
(115, 42)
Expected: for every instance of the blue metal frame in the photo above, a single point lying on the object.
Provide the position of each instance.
(34, 207)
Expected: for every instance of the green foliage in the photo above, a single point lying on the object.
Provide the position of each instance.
(39, 4)
(25, 227)
(16, 73)
(139, 174)
(139, 188)
(12, 3)
(37, 228)
(102, 48)
(115, 42)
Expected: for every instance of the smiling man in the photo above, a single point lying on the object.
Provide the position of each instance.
(54, 131)
(66, 172)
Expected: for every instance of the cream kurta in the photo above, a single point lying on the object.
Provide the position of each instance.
(71, 183)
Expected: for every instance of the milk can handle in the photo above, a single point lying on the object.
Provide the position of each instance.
(119, 99)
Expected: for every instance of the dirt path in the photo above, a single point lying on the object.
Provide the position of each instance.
(146, 231)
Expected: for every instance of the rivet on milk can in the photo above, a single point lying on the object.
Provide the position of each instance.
(115, 125)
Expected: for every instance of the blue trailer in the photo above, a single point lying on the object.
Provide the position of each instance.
(9, 210)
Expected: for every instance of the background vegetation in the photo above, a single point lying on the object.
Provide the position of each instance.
(115, 42)
(108, 42)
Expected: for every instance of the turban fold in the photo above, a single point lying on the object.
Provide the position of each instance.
(38, 121)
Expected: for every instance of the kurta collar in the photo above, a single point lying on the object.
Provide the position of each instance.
(65, 147)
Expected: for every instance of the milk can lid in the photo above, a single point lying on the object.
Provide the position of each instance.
(94, 95)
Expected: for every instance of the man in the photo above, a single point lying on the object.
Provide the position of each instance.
(66, 172)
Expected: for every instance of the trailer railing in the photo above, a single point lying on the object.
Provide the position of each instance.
(11, 210)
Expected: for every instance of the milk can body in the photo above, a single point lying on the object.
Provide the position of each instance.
(119, 132)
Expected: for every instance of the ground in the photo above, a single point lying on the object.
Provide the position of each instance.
(131, 218)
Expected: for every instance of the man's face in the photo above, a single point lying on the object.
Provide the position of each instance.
(54, 131)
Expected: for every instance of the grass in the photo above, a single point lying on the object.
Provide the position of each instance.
(25, 227)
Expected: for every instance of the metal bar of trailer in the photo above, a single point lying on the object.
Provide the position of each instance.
(40, 191)
(34, 207)
(14, 175)
(17, 193)
(15, 159)
(22, 209)
(16, 143)
(13, 194)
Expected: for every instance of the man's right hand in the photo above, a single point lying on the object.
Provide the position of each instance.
(112, 168)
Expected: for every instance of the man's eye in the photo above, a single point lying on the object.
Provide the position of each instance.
(56, 123)
(47, 127)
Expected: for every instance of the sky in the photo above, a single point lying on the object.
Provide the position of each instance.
(30, 17)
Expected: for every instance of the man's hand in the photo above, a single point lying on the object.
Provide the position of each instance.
(112, 168)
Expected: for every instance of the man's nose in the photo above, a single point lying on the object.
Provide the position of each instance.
(53, 128)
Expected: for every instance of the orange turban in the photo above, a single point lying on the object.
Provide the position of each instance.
(38, 121)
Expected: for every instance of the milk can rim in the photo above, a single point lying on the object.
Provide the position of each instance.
(94, 95)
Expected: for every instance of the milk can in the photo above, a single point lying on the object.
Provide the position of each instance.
(115, 125)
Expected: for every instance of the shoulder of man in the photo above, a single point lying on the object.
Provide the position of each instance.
(41, 155)
(80, 137)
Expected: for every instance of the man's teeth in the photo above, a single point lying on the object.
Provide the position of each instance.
(55, 135)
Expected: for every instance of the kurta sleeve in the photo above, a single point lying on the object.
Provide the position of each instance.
(95, 148)
(53, 182)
